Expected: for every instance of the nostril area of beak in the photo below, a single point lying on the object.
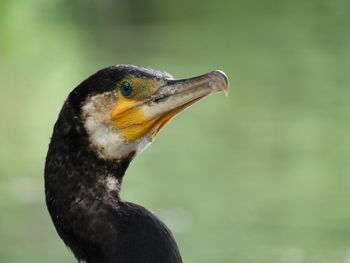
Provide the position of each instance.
(160, 98)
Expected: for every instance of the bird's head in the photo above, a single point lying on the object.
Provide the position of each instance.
(123, 107)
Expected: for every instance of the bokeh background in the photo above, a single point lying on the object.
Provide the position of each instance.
(260, 176)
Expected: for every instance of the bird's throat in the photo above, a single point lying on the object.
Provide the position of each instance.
(77, 181)
(81, 188)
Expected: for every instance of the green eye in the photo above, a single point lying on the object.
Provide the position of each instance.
(126, 89)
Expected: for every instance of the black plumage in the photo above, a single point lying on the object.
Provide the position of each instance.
(98, 227)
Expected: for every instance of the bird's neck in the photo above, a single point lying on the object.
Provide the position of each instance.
(73, 171)
(82, 195)
(74, 174)
(81, 188)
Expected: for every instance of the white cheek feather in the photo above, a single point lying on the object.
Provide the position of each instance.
(106, 140)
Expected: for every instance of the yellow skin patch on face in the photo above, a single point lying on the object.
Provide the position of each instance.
(138, 125)
(131, 120)
(127, 114)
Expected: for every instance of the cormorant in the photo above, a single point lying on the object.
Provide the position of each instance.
(105, 122)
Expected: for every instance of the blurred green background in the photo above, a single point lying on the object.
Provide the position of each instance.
(261, 176)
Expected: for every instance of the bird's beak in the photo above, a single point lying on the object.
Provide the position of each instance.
(157, 109)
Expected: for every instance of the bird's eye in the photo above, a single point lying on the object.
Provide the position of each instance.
(126, 89)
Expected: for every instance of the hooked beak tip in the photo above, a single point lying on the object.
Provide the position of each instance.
(225, 85)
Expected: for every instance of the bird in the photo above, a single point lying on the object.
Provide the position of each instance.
(104, 123)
